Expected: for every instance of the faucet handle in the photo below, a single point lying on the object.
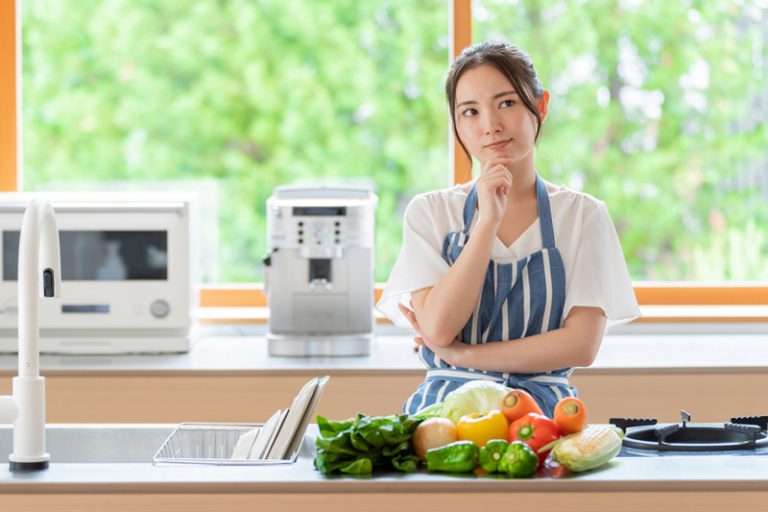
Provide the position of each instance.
(8, 409)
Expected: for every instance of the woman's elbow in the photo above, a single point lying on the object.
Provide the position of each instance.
(587, 328)
(438, 338)
(588, 353)
(585, 360)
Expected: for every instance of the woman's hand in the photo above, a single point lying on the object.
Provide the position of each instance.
(451, 354)
(493, 185)
(410, 315)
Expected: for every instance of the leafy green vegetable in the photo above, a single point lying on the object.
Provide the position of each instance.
(432, 411)
(331, 428)
(474, 396)
(359, 445)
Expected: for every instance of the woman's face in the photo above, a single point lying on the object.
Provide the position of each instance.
(491, 118)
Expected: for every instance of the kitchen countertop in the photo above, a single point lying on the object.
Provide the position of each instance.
(636, 474)
(231, 352)
(709, 483)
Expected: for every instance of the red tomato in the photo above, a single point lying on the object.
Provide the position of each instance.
(536, 431)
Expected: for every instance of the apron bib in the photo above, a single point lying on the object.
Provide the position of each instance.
(518, 299)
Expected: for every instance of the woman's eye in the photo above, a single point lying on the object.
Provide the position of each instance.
(507, 103)
(469, 112)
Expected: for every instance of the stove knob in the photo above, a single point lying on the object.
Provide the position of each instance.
(160, 308)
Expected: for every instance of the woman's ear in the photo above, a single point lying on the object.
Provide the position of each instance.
(543, 105)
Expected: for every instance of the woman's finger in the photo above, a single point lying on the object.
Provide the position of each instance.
(497, 182)
(410, 316)
(496, 172)
(497, 164)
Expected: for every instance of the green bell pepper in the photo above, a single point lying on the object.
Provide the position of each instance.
(519, 460)
(491, 454)
(456, 457)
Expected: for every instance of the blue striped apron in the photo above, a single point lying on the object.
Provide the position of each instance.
(518, 299)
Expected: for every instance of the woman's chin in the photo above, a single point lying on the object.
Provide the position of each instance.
(503, 153)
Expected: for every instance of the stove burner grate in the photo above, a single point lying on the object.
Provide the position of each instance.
(741, 433)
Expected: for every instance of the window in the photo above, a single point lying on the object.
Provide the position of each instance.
(661, 110)
(700, 215)
(233, 98)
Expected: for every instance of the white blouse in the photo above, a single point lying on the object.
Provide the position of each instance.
(596, 273)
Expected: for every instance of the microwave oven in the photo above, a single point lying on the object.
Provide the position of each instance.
(126, 269)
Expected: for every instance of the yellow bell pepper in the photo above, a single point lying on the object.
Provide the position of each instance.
(482, 427)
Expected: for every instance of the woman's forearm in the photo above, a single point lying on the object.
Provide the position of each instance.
(540, 353)
(444, 310)
(574, 344)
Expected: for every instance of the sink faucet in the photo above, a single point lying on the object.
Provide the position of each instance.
(39, 276)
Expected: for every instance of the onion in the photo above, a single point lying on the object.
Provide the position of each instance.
(433, 433)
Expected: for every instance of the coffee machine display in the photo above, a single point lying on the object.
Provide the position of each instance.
(318, 274)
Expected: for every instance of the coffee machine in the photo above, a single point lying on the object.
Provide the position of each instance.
(318, 274)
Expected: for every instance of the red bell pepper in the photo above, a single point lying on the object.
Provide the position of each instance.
(536, 431)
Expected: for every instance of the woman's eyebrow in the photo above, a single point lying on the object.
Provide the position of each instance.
(495, 96)
(505, 93)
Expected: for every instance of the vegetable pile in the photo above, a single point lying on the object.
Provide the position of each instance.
(481, 427)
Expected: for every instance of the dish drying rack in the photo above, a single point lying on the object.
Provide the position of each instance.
(215, 443)
(210, 444)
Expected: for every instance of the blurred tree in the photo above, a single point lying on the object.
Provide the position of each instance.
(252, 94)
(659, 109)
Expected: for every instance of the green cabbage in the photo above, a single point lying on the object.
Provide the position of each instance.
(474, 396)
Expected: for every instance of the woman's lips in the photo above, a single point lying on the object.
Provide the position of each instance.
(498, 145)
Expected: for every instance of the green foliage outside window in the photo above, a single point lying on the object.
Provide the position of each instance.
(249, 94)
(658, 108)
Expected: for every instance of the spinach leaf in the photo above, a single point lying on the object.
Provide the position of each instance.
(331, 428)
(359, 445)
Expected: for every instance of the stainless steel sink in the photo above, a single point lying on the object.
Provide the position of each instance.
(107, 443)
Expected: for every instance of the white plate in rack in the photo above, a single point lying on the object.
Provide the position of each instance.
(245, 444)
(292, 420)
(299, 434)
(266, 434)
(273, 437)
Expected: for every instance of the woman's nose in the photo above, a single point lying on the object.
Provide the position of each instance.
(492, 123)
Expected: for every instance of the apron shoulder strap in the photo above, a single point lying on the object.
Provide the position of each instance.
(470, 204)
(545, 214)
(544, 209)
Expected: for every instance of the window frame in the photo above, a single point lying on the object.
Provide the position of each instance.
(734, 302)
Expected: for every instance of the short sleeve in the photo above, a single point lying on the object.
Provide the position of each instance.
(419, 264)
(599, 277)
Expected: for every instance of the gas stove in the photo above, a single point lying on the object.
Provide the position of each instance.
(643, 437)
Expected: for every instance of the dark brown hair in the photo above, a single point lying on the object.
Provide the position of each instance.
(511, 62)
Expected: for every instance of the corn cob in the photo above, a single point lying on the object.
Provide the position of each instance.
(588, 449)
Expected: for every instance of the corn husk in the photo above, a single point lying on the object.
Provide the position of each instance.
(588, 449)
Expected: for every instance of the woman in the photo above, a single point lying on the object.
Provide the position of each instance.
(508, 278)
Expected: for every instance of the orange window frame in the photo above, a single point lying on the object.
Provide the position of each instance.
(249, 296)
